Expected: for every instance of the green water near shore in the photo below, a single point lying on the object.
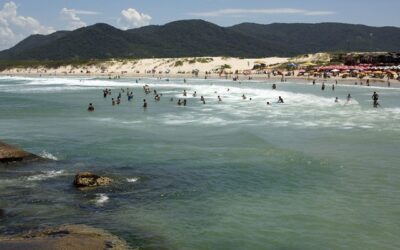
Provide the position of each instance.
(307, 174)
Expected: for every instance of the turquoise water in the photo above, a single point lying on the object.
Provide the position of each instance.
(307, 174)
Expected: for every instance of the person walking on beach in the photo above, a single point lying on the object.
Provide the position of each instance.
(375, 97)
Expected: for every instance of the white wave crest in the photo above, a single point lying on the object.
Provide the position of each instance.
(131, 180)
(47, 155)
(101, 199)
(45, 175)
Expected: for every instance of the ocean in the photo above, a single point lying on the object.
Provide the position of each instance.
(238, 174)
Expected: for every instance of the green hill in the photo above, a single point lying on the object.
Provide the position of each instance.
(200, 38)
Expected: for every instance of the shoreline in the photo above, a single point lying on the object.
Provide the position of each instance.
(242, 78)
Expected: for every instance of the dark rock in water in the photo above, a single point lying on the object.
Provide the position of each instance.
(86, 179)
(10, 154)
(67, 237)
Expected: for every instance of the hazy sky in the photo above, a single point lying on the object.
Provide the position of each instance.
(20, 18)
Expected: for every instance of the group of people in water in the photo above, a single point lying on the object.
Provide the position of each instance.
(183, 102)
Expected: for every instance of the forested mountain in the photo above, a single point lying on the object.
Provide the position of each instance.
(200, 38)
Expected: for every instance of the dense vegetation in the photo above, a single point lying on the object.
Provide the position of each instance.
(199, 38)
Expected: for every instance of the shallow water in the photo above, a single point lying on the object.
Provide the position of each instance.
(307, 174)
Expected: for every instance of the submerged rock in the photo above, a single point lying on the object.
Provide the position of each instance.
(10, 154)
(86, 179)
(66, 237)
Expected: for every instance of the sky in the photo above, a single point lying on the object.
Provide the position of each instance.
(21, 18)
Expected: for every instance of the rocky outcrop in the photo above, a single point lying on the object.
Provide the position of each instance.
(10, 154)
(86, 179)
(67, 237)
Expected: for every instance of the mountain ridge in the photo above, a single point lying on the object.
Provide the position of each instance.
(197, 37)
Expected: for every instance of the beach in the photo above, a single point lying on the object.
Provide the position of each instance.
(302, 174)
(196, 68)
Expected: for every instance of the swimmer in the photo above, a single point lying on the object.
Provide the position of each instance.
(280, 99)
(179, 102)
(195, 94)
(184, 102)
(144, 103)
(336, 99)
(274, 86)
(90, 108)
(184, 92)
(244, 97)
(219, 99)
(268, 103)
(113, 101)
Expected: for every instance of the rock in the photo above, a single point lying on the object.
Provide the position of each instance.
(86, 179)
(10, 154)
(66, 237)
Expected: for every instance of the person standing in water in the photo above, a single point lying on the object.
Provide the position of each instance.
(348, 98)
(323, 86)
(375, 97)
(337, 99)
(280, 100)
(113, 101)
(144, 103)
(219, 99)
(90, 108)
(333, 87)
